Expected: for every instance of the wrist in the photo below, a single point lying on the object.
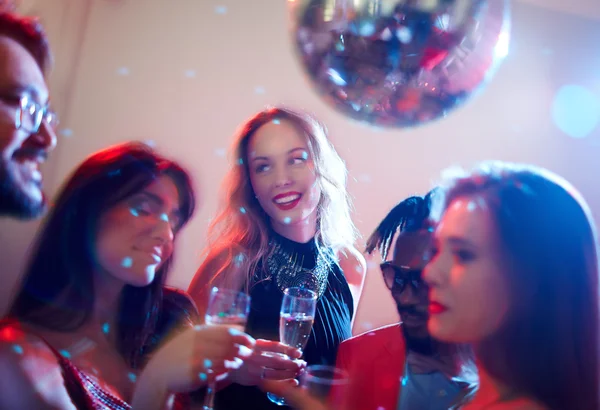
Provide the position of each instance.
(151, 391)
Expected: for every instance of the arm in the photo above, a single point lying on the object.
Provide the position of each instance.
(354, 266)
(176, 367)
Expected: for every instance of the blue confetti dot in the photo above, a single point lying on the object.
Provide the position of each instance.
(202, 377)
(132, 377)
(164, 217)
(243, 210)
(576, 111)
(207, 364)
(114, 173)
(276, 121)
(18, 349)
(127, 262)
(241, 161)
(134, 212)
(304, 155)
(65, 354)
(287, 220)
(66, 132)
(404, 381)
(105, 328)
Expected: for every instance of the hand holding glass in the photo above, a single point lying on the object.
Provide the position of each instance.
(296, 319)
(225, 308)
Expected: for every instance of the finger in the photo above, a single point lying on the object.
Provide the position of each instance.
(211, 377)
(277, 361)
(241, 338)
(207, 368)
(218, 333)
(234, 364)
(276, 374)
(220, 351)
(277, 347)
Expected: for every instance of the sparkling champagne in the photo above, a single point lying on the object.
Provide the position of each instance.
(294, 329)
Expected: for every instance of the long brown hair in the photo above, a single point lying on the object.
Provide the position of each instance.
(548, 346)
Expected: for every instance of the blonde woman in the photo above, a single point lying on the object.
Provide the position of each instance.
(285, 222)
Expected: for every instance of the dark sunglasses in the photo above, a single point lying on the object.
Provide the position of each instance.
(398, 277)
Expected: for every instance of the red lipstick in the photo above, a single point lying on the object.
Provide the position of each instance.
(287, 200)
(436, 308)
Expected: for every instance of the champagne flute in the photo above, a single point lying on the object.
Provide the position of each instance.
(296, 319)
(229, 308)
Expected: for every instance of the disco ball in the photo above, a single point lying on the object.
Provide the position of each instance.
(399, 63)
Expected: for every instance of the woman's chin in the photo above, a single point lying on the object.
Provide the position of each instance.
(142, 279)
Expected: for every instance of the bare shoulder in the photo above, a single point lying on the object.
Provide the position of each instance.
(215, 263)
(30, 375)
(353, 264)
(222, 268)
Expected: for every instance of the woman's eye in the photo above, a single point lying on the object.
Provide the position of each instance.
(297, 160)
(464, 256)
(261, 168)
(140, 209)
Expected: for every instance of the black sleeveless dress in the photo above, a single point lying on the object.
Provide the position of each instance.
(332, 324)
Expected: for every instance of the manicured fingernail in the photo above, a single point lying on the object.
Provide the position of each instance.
(233, 364)
(244, 351)
(235, 332)
(202, 377)
(207, 364)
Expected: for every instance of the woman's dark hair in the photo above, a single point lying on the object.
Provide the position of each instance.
(548, 346)
(57, 291)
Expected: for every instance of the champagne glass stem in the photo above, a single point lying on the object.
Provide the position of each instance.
(209, 398)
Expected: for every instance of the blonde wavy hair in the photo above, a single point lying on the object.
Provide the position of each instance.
(238, 237)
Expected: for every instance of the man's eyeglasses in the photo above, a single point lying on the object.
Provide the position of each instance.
(30, 115)
(398, 277)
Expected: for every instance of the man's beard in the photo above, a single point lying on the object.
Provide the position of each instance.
(422, 344)
(14, 202)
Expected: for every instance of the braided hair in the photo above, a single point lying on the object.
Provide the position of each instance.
(411, 214)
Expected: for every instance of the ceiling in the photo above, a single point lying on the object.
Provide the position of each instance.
(586, 8)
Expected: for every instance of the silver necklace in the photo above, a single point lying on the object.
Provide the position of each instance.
(287, 271)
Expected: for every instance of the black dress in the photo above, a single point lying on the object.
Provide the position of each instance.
(332, 323)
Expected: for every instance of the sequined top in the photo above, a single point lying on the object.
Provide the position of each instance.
(86, 394)
(332, 323)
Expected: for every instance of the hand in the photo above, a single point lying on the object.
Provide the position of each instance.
(264, 365)
(191, 358)
(294, 396)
